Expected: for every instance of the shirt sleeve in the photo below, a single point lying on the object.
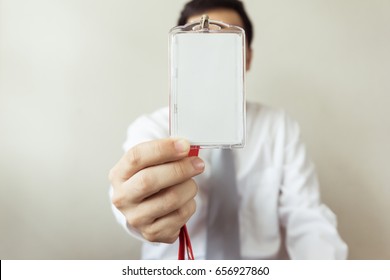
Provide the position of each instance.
(311, 227)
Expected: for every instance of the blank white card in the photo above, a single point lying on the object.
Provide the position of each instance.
(207, 101)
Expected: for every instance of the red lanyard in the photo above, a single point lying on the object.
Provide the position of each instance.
(184, 237)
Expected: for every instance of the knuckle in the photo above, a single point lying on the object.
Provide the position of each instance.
(134, 221)
(187, 211)
(151, 235)
(117, 200)
(179, 170)
(182, 214)
(134, 156)
(145, 182)
(193, 188)
(172, 239)
(159, 148)
(171, 201)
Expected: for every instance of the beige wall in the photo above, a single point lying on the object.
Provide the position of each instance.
(74, 74)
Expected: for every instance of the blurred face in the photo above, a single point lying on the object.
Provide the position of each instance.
(228, 16)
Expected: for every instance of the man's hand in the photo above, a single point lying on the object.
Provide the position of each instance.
(154, 189)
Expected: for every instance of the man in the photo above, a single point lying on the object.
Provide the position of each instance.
(155, 191)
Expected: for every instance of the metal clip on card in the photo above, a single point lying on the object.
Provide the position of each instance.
(207, 84)
(204, 22)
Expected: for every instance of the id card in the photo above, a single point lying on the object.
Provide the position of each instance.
(207, 84)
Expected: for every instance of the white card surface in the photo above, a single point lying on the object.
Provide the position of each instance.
(207, 88)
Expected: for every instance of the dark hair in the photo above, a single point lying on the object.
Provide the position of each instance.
(199, 6)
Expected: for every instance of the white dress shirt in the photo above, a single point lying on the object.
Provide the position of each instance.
(277, 187)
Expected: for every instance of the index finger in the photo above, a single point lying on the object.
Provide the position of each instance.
(148, 154)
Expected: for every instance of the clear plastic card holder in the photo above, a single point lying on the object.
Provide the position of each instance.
(207, 84)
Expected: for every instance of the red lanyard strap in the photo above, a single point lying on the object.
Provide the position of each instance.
(184, 237)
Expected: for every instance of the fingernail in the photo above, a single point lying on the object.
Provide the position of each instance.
(197, 163)
(182, 146)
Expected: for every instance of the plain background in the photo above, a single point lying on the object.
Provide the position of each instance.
(75, 73)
